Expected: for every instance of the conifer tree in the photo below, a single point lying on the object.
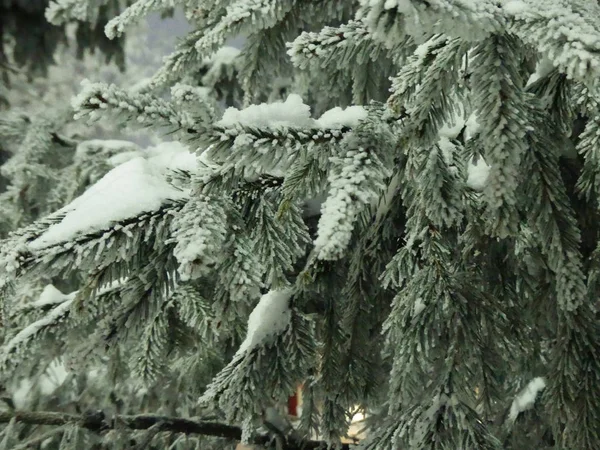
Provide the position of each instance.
(397, 210)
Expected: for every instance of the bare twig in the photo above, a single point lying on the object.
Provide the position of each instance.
(99, 423)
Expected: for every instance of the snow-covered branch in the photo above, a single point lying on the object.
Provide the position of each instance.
(145, 109)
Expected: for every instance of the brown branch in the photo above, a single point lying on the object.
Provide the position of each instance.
(99, 423)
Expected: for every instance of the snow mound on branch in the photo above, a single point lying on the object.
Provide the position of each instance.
(225, 55)
(338, 117)
(477, 170)
(291, 113)
(268, 319)
(478, 173)
(130, 189)
(514, 7)
(526, 399)
(49, 296)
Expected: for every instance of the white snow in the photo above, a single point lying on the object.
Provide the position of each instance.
(338, 117)
(268, 319)
(225, 55)
(514, 7)
(543, 67)
(526, 398)
(472, 126)
(291, 113)
(49, 296)
(477, 174)
(418, 306)
(134, 187)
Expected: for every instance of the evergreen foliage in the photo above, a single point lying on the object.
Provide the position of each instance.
(397, 210)
(29, 42)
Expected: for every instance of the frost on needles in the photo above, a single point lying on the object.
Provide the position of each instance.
(392, 204)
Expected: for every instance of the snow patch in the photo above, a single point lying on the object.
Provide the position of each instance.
(418, 306)
(225, 55)
(543, 67)
(478, 173)
(514, 7)
(451, 131)
(291, 113)
(338, 117)
(472, 126)
(132, 188)
(268, 319)
(526, 399)
(49, 296)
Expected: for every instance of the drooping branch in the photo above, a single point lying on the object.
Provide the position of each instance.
(97, 422)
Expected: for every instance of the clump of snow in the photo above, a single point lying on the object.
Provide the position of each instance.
(338, 117)
(182, 91)
(478, 173)
(447, 148)
(418, 306)
(169, 156)
(526, 398)
(451, 131)
(136, 186)
(268, 319)
(543, 67)
(514, 7)
(225, 55)
(472, 126)
(49, 296)
(291, 113)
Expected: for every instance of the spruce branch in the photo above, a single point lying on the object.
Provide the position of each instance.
(134, 13)
(323, 48)
(183, 60)
(97, 422)
(145, 109)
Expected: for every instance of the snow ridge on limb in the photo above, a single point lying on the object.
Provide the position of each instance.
(130, 205)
